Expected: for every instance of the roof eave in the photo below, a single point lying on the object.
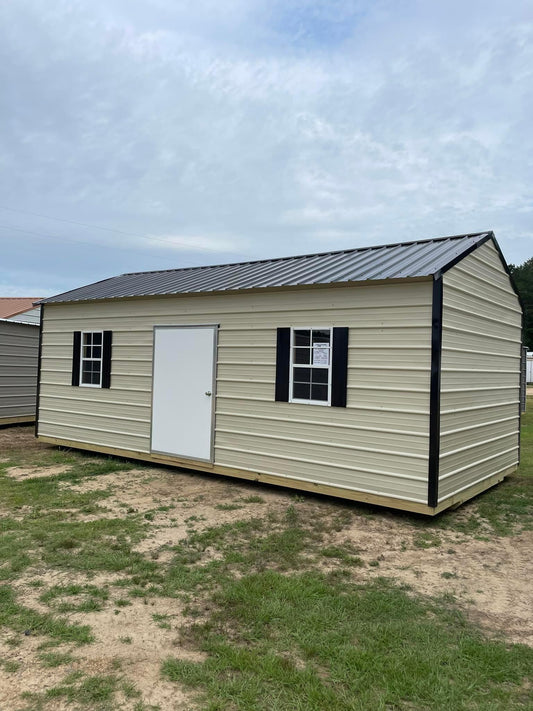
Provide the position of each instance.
(251, 290)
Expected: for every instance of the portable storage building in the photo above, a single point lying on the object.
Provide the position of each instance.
(19, 350)
(280, 370)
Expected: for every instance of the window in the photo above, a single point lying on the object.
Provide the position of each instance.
(310, 365)
(91, 358)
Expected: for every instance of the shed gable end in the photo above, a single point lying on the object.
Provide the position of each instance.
(480, 372)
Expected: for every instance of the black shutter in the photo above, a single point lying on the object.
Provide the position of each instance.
(282, 364)
(76, 353)
(339, 367)
(106, 359)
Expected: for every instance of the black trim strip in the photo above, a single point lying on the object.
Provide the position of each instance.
(107, 342)
(339, 367)
(76, 352)
(466, 252)
(39, 358)
(283, 347)
(434, 397)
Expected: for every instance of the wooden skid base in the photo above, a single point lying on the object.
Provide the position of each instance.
(17, 420)
(352, 495)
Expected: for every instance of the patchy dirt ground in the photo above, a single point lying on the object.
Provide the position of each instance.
(490, 579)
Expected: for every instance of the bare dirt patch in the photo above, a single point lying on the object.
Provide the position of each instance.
(21, 473)
(130, 641)
(490, 579)
(178, 502)
(21, 439)
(27, 675)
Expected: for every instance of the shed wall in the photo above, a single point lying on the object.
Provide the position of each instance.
(19, 350)
(480, 380)
(377, 444)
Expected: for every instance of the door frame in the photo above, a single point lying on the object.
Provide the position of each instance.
(215, 327)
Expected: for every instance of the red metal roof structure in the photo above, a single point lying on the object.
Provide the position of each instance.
(10, 306)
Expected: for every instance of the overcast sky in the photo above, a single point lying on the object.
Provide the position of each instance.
(206, 131)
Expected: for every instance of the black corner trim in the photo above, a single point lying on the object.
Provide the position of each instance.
(283, 346)
(76, 353)
(434, 397)
(339, 367)
(39, 358)
(106, 358)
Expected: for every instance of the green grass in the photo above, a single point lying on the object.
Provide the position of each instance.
(253, 499)
(43, 527)
(277, 633)
(307, 642)
(55, 659)
(96, 693)
(79, 598)
(28, 621)
(343, 554)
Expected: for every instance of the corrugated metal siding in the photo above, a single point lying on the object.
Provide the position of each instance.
(392, 261)
(378, 444)
(19, 346)
(30, 316)
(480, 382)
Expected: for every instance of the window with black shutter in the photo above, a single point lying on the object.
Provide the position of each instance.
(91, 359)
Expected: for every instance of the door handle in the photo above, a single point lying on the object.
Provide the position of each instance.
(208, 393)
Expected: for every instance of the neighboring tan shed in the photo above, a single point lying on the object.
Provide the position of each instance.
(19, 351)
(385, 374)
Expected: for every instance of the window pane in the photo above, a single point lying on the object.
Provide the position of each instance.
(86, 372)
(321, 336)
(302, 355)
(90, 372)
(319, 375)
(301, 375)
(97, 351)
(86, 351)
(301, 390)
(301, 338)
(319, 392)
(87, 339)
(97, 339)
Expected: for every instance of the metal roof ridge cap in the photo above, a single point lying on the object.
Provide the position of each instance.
(311, 254)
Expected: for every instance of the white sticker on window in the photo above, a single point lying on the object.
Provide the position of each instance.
(321, 354)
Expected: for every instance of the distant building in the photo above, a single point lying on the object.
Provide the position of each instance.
(20, 308)
(19, 354)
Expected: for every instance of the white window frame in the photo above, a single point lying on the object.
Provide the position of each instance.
(292, 365)
(101, 359)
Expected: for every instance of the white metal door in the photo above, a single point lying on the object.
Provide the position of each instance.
(183, 391)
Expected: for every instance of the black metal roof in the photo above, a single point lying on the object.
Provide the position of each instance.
(422, 258)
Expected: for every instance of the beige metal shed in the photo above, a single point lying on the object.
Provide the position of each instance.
(280, 370)
(19, 350)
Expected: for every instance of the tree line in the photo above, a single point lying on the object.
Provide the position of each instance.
(523, 279)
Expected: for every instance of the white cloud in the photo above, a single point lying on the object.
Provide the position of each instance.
(255, 128)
